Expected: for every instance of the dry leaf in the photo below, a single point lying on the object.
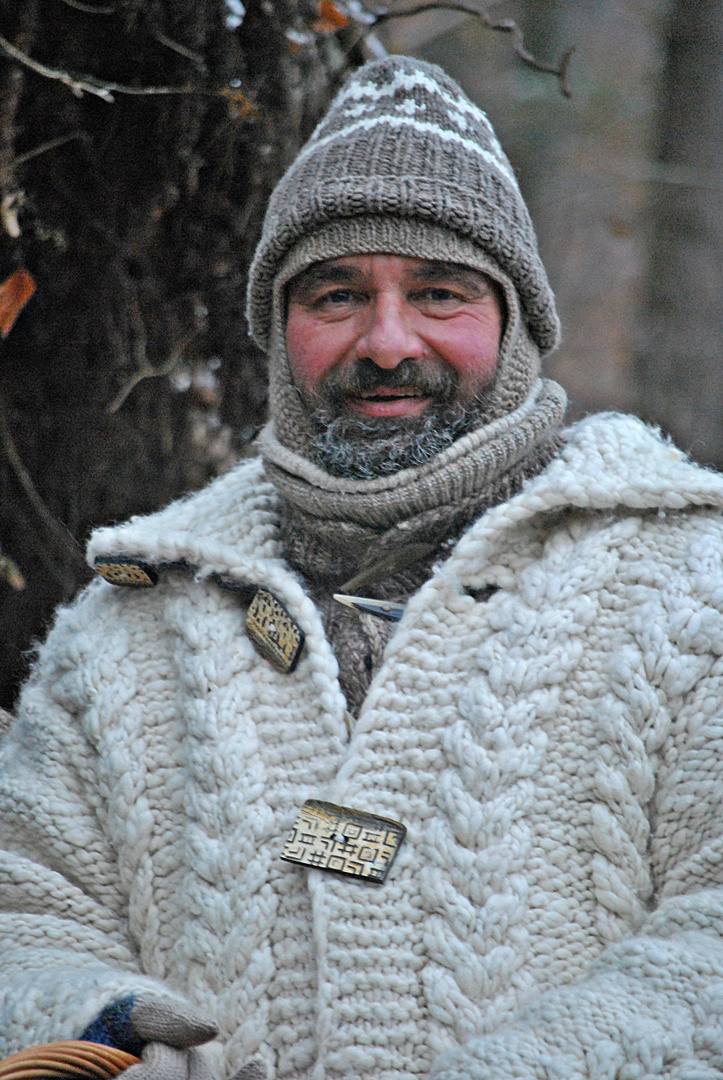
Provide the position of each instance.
(239, 105)
(330, 18)
(15, 292)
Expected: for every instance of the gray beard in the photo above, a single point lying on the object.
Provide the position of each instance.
(359, 449)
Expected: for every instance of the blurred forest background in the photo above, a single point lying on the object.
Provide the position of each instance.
(139, 141)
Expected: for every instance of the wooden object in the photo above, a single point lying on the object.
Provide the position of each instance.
(71, 1059)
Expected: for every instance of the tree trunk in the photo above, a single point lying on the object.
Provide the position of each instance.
(679, 371)
(129, 377)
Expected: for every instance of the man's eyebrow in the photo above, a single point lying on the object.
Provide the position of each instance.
(434, 272)
(304, 284)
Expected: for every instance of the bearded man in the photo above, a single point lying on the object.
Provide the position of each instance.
(205, 795)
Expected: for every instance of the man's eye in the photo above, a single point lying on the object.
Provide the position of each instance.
(336, 296)
(439, 295)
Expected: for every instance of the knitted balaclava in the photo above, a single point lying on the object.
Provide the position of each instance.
(404, 164)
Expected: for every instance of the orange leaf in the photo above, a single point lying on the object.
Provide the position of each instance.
(330, 18)
(15, 292)
(239, 105)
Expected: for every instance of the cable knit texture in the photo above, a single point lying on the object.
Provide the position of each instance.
(327, 553)
(554, 751)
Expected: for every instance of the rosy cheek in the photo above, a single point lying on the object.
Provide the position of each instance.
(309, 349)
(471, 350)
(477, 367)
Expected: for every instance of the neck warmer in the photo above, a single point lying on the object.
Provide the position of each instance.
(335, 526)
(403, 164)
(332, 527)
(487, 467)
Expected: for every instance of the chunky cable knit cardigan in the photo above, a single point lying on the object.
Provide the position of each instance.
(556, 752)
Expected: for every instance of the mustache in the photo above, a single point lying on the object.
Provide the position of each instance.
(364, 377)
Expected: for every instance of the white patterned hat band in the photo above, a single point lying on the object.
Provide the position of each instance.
(402, 142)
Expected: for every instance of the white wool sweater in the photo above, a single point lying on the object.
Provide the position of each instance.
(556, 752)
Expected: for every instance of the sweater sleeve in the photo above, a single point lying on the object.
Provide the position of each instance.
(64, 929)
(650, 1006)
(652, 1003)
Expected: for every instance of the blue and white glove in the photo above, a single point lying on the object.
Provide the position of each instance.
(163, 1033)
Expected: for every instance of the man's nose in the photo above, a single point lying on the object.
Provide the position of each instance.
(389, 335)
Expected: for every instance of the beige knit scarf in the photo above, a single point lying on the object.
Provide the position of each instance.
(333, 529)
(334, 526)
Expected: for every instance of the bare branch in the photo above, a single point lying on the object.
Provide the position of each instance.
(76, 85)
(504, 26)
(147, 371)
(195, 58)
(52, 144)
(57, 530)
(110, 9)
(80, 84)
(92, 9)
(10, 94)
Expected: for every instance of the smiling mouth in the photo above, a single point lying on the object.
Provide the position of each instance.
(388, 402)
(389, 395)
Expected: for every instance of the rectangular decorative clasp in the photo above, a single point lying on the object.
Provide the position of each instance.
(274, 633)
(352, 842)
(123, 570)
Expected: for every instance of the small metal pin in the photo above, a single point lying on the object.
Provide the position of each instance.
(385, 609)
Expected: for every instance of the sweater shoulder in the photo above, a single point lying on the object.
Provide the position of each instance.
(236, 512)
(610, 464)
(614, 459)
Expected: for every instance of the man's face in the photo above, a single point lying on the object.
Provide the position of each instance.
(392, 355)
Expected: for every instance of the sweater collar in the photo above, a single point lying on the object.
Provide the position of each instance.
(609, 461)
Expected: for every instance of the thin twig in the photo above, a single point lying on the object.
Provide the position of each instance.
(92, 9)
(140, 352)
(509, 26)
(12, 89)
(504, 26)
(80, 84)
(161, 38)
(52, 144)
(56, 528)
(148, 372)
(195, 58)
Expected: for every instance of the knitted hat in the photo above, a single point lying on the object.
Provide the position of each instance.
(402, 148)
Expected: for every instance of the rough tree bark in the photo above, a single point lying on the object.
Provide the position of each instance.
(679, 371)
(136, 219)
(129, 377)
